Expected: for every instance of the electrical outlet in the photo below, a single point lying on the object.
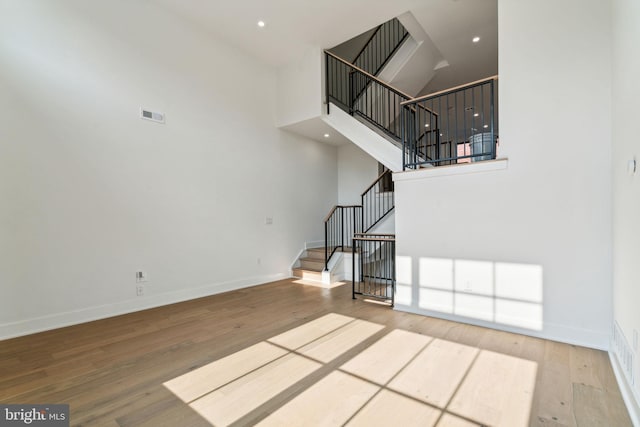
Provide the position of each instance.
(139, 290)
(268, 220)
(141, 276)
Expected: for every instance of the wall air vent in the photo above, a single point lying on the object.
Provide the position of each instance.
(151, 115)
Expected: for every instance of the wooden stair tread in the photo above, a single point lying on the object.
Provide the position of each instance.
(316, 250)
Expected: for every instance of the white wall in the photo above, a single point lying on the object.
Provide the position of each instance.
(356, 171)
(300, 88)
(539, 231)
(91, 193)
(626, 187)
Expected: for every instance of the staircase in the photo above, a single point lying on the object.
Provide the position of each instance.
(453, 126)
(334, 261)
(310, 265)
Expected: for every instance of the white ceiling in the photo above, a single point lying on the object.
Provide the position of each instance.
(294, 25)
(451, 25)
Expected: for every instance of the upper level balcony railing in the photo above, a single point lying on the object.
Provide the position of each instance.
(457, 125)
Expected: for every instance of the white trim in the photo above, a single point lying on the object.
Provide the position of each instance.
(69, 318)
(460, 169)
(295, 261)
(551, 331)
(628, 395)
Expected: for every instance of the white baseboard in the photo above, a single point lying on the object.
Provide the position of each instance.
(69, 318)
(629, 397)
(551, 331)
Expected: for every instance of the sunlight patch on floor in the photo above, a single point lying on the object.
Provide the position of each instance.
(434, 375)
(497, 391)
(229, 388)
(201, 381)
(371, 364)
(388, 408)
(403, 378)
(229, 403)
(329, 402)
(338, 342)
(310, 331)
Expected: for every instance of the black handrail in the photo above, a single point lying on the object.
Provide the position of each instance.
(377, 201)
(345, 221)
(340, 225)
(465, 129)
(378, 51)
(381, 46)
(379, 104)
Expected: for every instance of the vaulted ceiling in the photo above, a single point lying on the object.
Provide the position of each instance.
(292, 26)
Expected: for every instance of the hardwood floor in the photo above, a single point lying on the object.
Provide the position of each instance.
(289, 354)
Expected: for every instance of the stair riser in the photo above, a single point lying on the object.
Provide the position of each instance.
(315, 254)
(312, 265)
(307, 275)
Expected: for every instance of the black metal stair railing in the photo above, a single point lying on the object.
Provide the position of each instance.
(381, 46)
(340, 225)
(379, 104)
(461, 126)
(374, 266)
(377, 52)
(377, 201)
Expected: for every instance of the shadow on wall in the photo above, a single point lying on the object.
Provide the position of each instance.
(497, 292)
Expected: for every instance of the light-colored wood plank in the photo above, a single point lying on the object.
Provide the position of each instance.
(584, 367)
(449, 420)
(330, 402)
(310, 331)
(545, 422)
(554, 400)
(392, 409)
(497, 391)
(332, 345)
(591, 409)
(112, 371)
(212, 376)
(387, 356)
(231, 402)
(435, 374)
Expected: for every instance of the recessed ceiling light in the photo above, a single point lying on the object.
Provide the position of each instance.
(476, 114)
(261, 24)
(427, 125)
(326, 135)
(440, 134)
(476, 39)
(486, 126)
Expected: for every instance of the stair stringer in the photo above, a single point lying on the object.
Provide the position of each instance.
(374, 144)
(386, 225)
